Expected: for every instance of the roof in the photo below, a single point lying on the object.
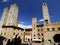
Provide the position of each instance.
(41, 25)
(15, 27)
(30, 29)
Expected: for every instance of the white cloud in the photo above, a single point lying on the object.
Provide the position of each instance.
(22, 22)
(41, 20)
(24, 26)
(5, 0)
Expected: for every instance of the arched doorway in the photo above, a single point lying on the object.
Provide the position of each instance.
(56, 38)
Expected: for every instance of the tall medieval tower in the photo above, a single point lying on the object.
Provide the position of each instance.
(45, 13)
(34, 29)
(12, 19)
(4, 18)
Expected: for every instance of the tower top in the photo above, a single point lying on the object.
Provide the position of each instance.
(45, 13)
(44, 4)
(14, 5)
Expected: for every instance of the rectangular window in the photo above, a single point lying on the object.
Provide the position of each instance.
(41, 29)
(47, 29)
(53, 29)
(38, 30)
(38, 34)
(58, 28)
(42, 34)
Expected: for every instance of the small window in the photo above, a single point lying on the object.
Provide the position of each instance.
(18, 34)
(34, 35)
(38, 38)
(46, 21)
(44, 3)
(14, 33)
(41, 29)
(38, 30)
(38, 34)
(47, 29)
(26, 38)
(31, 39)
(53, 29)
(42, 34)
(34, 38)
(59, 28)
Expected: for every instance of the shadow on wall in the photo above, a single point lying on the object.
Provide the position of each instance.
(15, 41)
(1, 40)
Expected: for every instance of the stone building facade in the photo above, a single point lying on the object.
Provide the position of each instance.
(44, 32)
(9, 24)
(28, 35)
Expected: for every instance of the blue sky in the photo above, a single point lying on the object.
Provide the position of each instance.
(33, 8)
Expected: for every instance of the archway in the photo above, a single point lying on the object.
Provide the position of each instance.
(56, 38)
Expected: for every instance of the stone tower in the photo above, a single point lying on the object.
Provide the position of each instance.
(12, 19)
(4, 16)
(34, 29)
(45, 13)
